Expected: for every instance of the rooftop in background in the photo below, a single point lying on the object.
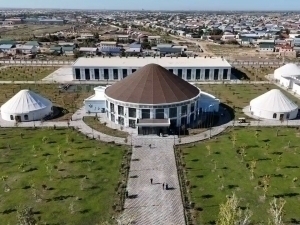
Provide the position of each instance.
(140, 62)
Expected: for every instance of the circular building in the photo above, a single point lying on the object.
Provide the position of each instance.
(153, 99)
(273, 105)
(26, 106)
(288, 70)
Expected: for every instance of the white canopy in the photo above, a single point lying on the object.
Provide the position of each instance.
(287, 70)
(25, 101)
(273, 101)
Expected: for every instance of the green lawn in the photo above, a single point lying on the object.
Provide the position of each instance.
(66, 178)
(239, 95)
(25, 73)
(213, 176)
(70, 100)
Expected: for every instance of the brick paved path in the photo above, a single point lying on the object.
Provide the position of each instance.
(150, 204)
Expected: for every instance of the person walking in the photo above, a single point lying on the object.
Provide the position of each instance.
(166, 186)
(151, 180)
(150, 146)
(163, 186)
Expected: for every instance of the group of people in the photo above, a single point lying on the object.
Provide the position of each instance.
(164, 185)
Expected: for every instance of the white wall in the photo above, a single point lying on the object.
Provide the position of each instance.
(94, 106)
(287, 83)
(269, 114)
(32, 116)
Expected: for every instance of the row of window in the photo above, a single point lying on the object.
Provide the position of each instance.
(159, 113)
(125, 73)
(12, 117)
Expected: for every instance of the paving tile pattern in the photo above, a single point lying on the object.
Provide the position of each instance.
(150, 204)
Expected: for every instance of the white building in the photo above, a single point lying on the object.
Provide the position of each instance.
(26, 106)
(288, 70)
(187, 68)
(154, 100)
(273, 105)
(96, 103)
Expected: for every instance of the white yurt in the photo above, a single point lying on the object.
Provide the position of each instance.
(288, 70)
(273, 105)
(26, 106)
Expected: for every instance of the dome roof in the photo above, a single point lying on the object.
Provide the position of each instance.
(273, 101)
(25, 101)
(289, 69)
(152, 84)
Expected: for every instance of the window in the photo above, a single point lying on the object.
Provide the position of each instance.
(159, 113)
(225, 74)
(112, 107)
(112, 117)
(274, 116)
(106, 74)
(25, 117)
(188, 74)
(116, 74)
(96, 71)
(180, 73)
(183, 110)
(120, 110)
(124, 73)
(132, 123)
(198, 71)
(11, 117)
(288, 116)
(173, 123)
(133, 70)
(77, 74)
(132, 112)
(216, 74)
(171, 70)
(87, 74)
(173, 112)
(192, 107)
(207, 71)
(145, 113)
(121, 120)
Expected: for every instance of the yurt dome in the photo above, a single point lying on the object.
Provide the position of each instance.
(26, 106)
(287, 70)
(274, 105)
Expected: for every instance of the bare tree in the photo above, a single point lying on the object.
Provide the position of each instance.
(252, 168)
(276, 211)
(266, 184)
(231, 214)
(208, 150)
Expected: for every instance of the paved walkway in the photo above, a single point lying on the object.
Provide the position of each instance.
(150, 204)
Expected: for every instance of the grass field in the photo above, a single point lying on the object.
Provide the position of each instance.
(25, 73)
(71, 100)
(253, 73)
(25, 32)
(238, 96)
(64, 177)
(225, 50)
(101, 127)
(218, 167)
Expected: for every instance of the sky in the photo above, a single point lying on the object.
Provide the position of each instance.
(157, 4)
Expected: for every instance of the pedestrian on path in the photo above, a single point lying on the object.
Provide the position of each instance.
(167, 187)
(150, 146)
(126, 194)
(151, 180)
(163, 186)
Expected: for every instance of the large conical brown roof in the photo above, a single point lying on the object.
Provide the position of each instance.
(152, 84)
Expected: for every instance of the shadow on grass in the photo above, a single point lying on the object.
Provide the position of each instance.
(207, 196)
(8, 211)
(290, 195)
(239, 74)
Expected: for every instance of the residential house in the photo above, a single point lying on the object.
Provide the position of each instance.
(107, 50)
(57, 50)
(27, 49)
(7, 48)
(134, 49)
(68, 50)
(266, 47)
(32, 43)
(88, 51)
(52, 21)
(7, 42)
(123, 38)
(108, 44)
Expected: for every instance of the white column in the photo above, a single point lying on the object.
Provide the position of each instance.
(178, 116)
(166, 113)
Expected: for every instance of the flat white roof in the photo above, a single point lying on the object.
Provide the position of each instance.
(140, 62)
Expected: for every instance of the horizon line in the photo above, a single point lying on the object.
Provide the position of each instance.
(169, 10)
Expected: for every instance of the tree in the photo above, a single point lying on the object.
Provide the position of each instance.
(252, 168)
(231, 214)
(208, 150)
(266, 184)
(276, 211)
